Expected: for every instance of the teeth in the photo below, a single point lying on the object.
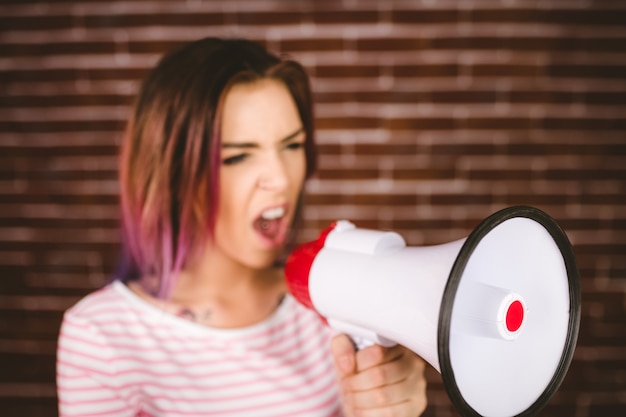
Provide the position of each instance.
(274, 213)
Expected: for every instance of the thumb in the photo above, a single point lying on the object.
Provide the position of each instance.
(344, 353)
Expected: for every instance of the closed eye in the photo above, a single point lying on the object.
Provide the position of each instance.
(294, 145)
(235, 159)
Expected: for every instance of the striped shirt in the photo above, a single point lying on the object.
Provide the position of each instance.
(121, 356)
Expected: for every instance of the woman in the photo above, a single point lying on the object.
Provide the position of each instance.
(212, 169)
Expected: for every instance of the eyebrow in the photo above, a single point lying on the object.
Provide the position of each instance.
(246, 145)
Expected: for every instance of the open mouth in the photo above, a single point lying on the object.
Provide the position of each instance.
(271, 224)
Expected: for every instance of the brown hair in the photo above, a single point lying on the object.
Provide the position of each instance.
(169, 163)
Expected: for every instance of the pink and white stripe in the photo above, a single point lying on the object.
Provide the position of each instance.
(120, 356)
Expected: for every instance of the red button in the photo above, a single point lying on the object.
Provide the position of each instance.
(514, 316)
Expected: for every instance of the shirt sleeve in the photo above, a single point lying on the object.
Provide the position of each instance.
(87, 381)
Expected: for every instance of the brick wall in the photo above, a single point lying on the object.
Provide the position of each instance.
(431, 115)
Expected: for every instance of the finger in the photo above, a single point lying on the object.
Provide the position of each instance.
(407, 397)
(375, 355)
(378, 376)
(344, 354)
(379, 397)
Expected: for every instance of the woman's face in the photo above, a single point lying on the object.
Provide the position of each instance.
(261, 174)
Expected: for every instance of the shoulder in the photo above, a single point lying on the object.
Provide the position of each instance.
(105, 301)
(82, 316)
(82, 347)
(102, 327)
(98, 315)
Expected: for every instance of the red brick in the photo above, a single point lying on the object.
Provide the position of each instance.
(293, 45)
(57, 48)
(63, 126)
(353, 71)
(514, 104)
(586, 70)
(153, 19)
(424, 16)
(59, 100)
(26, 23)
(345, 16)
(268, 18)
(426, 70)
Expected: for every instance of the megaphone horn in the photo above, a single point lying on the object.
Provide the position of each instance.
(497, 313)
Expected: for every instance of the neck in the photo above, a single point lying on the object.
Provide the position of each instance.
(228, 293)
(217, 276)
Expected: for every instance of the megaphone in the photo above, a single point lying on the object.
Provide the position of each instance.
(496, 313)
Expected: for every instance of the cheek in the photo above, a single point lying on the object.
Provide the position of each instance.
(235, 189)
(229, 218)
(227, 200)
(298, 171)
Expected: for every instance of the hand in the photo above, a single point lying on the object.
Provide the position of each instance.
(379, 381)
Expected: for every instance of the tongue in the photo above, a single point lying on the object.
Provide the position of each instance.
(268, 228)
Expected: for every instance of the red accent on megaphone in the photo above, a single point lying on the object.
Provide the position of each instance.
(298, 267)
(514, 316)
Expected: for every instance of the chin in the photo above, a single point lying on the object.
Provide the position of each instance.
(261, 262)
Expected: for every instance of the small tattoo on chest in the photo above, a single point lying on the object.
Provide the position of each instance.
(195, 316)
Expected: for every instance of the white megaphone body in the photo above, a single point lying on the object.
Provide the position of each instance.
(497, 313)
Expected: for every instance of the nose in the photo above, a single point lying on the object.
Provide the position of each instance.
(274, 174)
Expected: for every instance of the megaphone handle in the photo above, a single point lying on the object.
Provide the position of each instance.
(361, 343)
(361, 337)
